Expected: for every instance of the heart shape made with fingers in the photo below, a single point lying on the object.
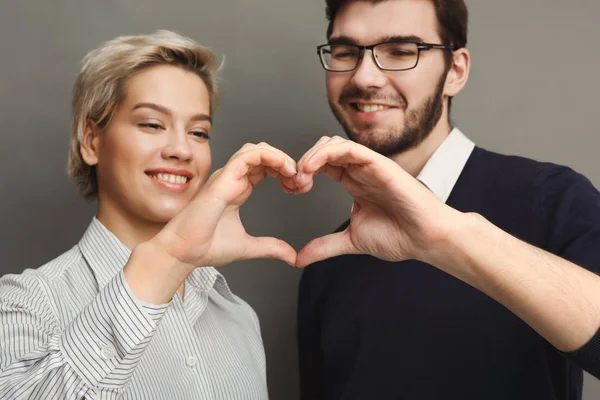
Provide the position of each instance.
(387, 200)
(378, 186)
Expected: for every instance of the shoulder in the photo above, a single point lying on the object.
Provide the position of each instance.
(549, 180)
(526, 182)
(512, 166)
(34, 283)
(559, 202)
(516, 176)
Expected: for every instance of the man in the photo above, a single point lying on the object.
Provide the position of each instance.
(462, 273)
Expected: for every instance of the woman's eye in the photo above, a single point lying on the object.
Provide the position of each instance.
(150, 125)
(200, 134)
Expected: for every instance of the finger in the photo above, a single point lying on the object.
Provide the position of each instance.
(325, 247)
(269, 247)
(289, 160)
(286, 189)
(318, 144)
(302, 176)
(304, 189)
(360, 161)
(272, 173)
(288, 183)
(249, 147)
(260, 156)
(258, 174)
(334, 172)
(340, 153)
(325, 140)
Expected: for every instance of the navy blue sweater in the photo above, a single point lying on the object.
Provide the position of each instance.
(370, 329)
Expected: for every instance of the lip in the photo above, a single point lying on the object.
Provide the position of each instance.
(171, 170)
(370, 116)
(352, 102)
(174, 187)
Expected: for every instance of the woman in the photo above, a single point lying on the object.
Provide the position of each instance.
(135, 309)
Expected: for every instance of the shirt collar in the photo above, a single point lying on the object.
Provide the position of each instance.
(442, 170)
(107, 255)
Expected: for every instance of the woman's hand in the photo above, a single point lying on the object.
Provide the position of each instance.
(209, 232)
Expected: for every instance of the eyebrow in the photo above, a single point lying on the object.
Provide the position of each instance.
(166, 111)
(394, 38)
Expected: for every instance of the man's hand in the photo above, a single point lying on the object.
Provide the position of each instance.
(394, 216)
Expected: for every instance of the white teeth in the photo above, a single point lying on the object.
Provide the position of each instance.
(170, 178)
(371, 107)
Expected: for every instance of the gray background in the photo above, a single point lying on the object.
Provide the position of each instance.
(532, 91)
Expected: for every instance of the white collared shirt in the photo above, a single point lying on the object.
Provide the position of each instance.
(73, 329)
(443, 168)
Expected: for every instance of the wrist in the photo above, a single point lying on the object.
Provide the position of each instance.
(153, 275)
(449, 250)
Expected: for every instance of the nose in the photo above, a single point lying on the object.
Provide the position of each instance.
(368, 75)
(177, 146)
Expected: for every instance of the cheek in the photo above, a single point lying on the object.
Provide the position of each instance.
(335, 82)
(203, 159)
(411, 87)
(421, 84)
(128, 153)
(121, 144)
(116, 153)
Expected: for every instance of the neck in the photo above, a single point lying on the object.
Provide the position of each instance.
(413, 160)
(129, 230)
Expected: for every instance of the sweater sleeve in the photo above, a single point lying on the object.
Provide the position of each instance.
(588, 357)
(571, 211)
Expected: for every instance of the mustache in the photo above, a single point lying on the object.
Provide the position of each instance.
(372, 95)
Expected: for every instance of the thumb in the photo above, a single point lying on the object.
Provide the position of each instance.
(325, 247)
(270, 247)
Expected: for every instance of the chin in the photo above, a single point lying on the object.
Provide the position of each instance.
(368, 137)
(164, 213)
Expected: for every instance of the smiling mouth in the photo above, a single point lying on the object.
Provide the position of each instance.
(170, 178)
(369, 108)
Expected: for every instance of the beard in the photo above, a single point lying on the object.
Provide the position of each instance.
(418, 124)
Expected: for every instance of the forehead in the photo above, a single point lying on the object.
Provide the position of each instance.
(170, 86)
(368, 22)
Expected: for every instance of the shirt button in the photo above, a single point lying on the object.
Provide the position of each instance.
(107, 352)
(191, 361)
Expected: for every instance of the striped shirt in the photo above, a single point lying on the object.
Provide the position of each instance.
(72, 329)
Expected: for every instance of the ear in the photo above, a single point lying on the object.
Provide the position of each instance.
(458, 73)
(89, 145)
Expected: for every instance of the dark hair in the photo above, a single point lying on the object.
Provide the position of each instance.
(452, 16)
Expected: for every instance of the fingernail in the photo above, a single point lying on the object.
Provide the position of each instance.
(291, 166)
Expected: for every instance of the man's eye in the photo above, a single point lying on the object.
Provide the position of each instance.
(400, 53)
(342, 55)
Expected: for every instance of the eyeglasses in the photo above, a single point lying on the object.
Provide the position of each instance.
(389, 56)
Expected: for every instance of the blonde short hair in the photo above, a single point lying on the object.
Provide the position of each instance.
(100, 86)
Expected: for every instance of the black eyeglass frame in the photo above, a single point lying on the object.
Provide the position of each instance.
(421, 46)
